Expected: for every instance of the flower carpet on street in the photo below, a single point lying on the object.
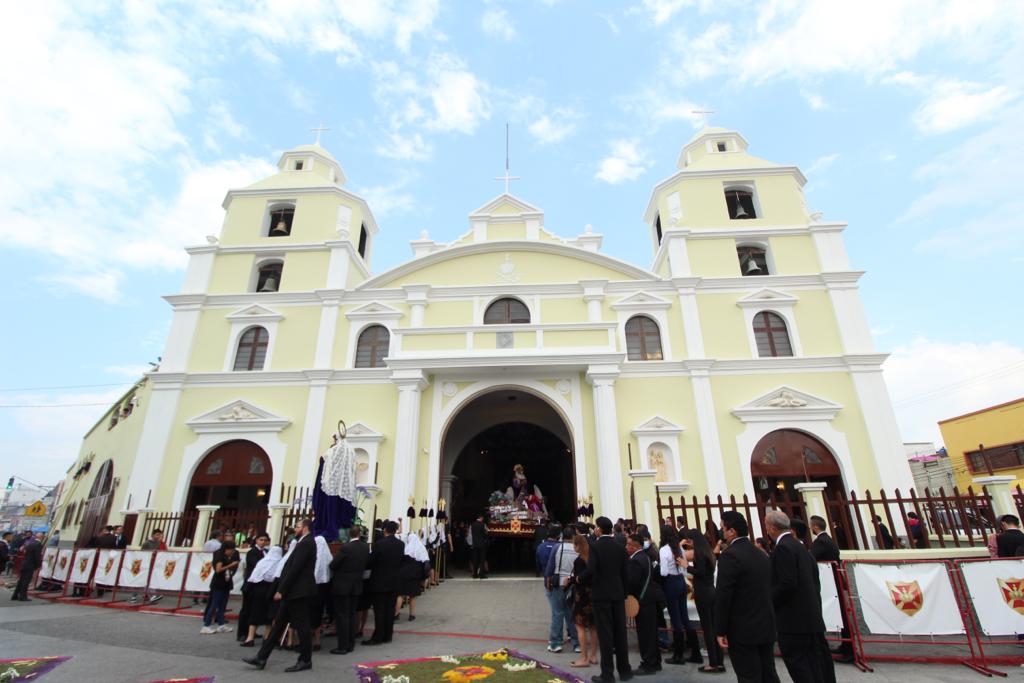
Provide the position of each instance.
(204, 679)
(498, 666)
(28, 669)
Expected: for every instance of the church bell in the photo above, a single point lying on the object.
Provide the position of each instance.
(280, 229)
(752, 266)
(269, 285)
(740, 211)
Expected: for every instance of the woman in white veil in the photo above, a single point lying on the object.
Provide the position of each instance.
(322, 574)
(411, 574)
(260, 591)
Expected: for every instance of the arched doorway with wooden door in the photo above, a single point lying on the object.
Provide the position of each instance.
(236, 476)
(97, 505)
(787, 457)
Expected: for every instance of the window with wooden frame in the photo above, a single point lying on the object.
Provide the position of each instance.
(753, 260)
(252, 349)
(643, 339)
(740, 203)
(364, 238)
(281, 218)
(269, 277)
(372, 347)
(507, 311)
(772, 335)
(1007, 456)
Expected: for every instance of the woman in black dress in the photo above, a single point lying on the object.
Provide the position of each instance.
(702, 569)
(259, 590)
(582, 607)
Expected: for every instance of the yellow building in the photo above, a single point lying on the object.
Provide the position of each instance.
(1000, 429)
(739, 361)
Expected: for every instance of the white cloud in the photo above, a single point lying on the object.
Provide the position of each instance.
(821, 164)
(932, 380)
(496, 23)
(458, 96)
(405, 147)
(887, 156)
(816, 102)
(626, 162)
(385, 200)
(610, 21)
(556, 126)
(955, 105)
(663, 10)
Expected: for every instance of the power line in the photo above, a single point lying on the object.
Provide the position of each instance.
(70, 386)
(997, 373)
(56, 405)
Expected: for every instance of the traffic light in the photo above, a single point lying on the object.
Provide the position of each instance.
(10, 483)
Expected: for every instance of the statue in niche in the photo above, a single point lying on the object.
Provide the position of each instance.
(656, 459)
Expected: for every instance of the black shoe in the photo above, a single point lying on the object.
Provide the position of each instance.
(299, 666)
(675, 660)
(696, 658)
(247, 643)
(255, 661)
(644, 672)
(628, 676)
(371, 642)
(412, 617)
(844, 659)
(339, 651)
(598, 678)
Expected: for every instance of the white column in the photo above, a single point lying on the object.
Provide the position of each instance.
(854, 330)
(609, 462)
(202, 533)
(181, 336)
(328, 330)
(593, 294)
(156, 432)
(707, 425)
(686, 288)
(312, 427)
(416, 296)
(999, 487)
(140, 525)
(678, 254)
(200, 265)
(407, 438)
(337, 266)
(883, 431)
(276, 524)
(828, 239)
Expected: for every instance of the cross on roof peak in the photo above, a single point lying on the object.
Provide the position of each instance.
(319, 129)
(703, 112)
(508, 178)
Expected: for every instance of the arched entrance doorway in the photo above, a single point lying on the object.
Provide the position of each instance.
(484, 442)
(237, 476)
(97, 505)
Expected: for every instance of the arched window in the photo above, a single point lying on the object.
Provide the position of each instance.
(281, 217)
(753, 260)
(507, 311)
(252, 349)
(372, 347)
(740, 203)
(643, 339)
(771, 335)
(269, 277)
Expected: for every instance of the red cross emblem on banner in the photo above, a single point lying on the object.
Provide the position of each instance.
(1013, 593)
(169, 568)
(906, 596)
(136, 567)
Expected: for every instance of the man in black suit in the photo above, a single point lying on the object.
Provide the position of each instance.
(480, 540)
(1010, 541)
(796, 595)
(644, 586)
(347, 569)
(744, 620)
(30, 562)
(385, 562)
(105, 541)
(120, 540)
(607, 572)
(256, 553)
(294, 589)
(5, 550)
(824, 549)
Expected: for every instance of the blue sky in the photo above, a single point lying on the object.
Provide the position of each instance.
(123, 124)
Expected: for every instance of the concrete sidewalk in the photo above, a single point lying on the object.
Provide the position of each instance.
(462, 616)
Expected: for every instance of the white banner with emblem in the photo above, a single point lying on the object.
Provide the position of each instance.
(168, 571)
(831, 610)
(200, 571)
(106, 569)
(996, 588)
(49, 561)
(63, 566)
(135, 569)
(84, 561)
(907, 599)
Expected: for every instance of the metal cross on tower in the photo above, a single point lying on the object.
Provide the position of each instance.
(319, 129)
(507, 177)
(703, 113)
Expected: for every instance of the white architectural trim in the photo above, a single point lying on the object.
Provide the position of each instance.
(242, 320)
(375, 311)
(660, 430)
(194, 453)
(772, 300)
(641, 302)
(785, 401)
(720, 173)
(609, 459)
(156, 434)
(238, 415)
(365, 437)
(333, 190)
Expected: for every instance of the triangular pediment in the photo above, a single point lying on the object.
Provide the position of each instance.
(359, 432)
(238, 416)
(785, 402)
(374, 311)
(657, 425)
(254, 313)
(505, 205)
(641, 301)
(767, 295)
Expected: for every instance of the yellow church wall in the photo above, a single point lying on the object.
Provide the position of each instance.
(589, 442)
(713, 258)
(703, 201)
(214, 331)
(530, 266)
(676, 330)
(422, 483)
(563, 310)
(433, 342)
(448, 313)
(295, 346)
(816, 324)
(376, 406)
(794, 254)
(723, 326)
(304, 271)
(524, 340)
(485, 340)
(231, 273)
(730, 391)
(287, 401)
(506, 231)
(580, 338)
(245, 220)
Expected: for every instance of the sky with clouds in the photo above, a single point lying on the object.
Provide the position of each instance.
(123, 124)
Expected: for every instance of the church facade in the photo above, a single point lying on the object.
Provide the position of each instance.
(739, 361)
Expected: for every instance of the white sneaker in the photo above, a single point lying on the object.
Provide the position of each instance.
(552, 648)
(206, 630)
(224, 628)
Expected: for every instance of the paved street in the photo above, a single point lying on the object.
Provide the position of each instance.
(118, 646)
